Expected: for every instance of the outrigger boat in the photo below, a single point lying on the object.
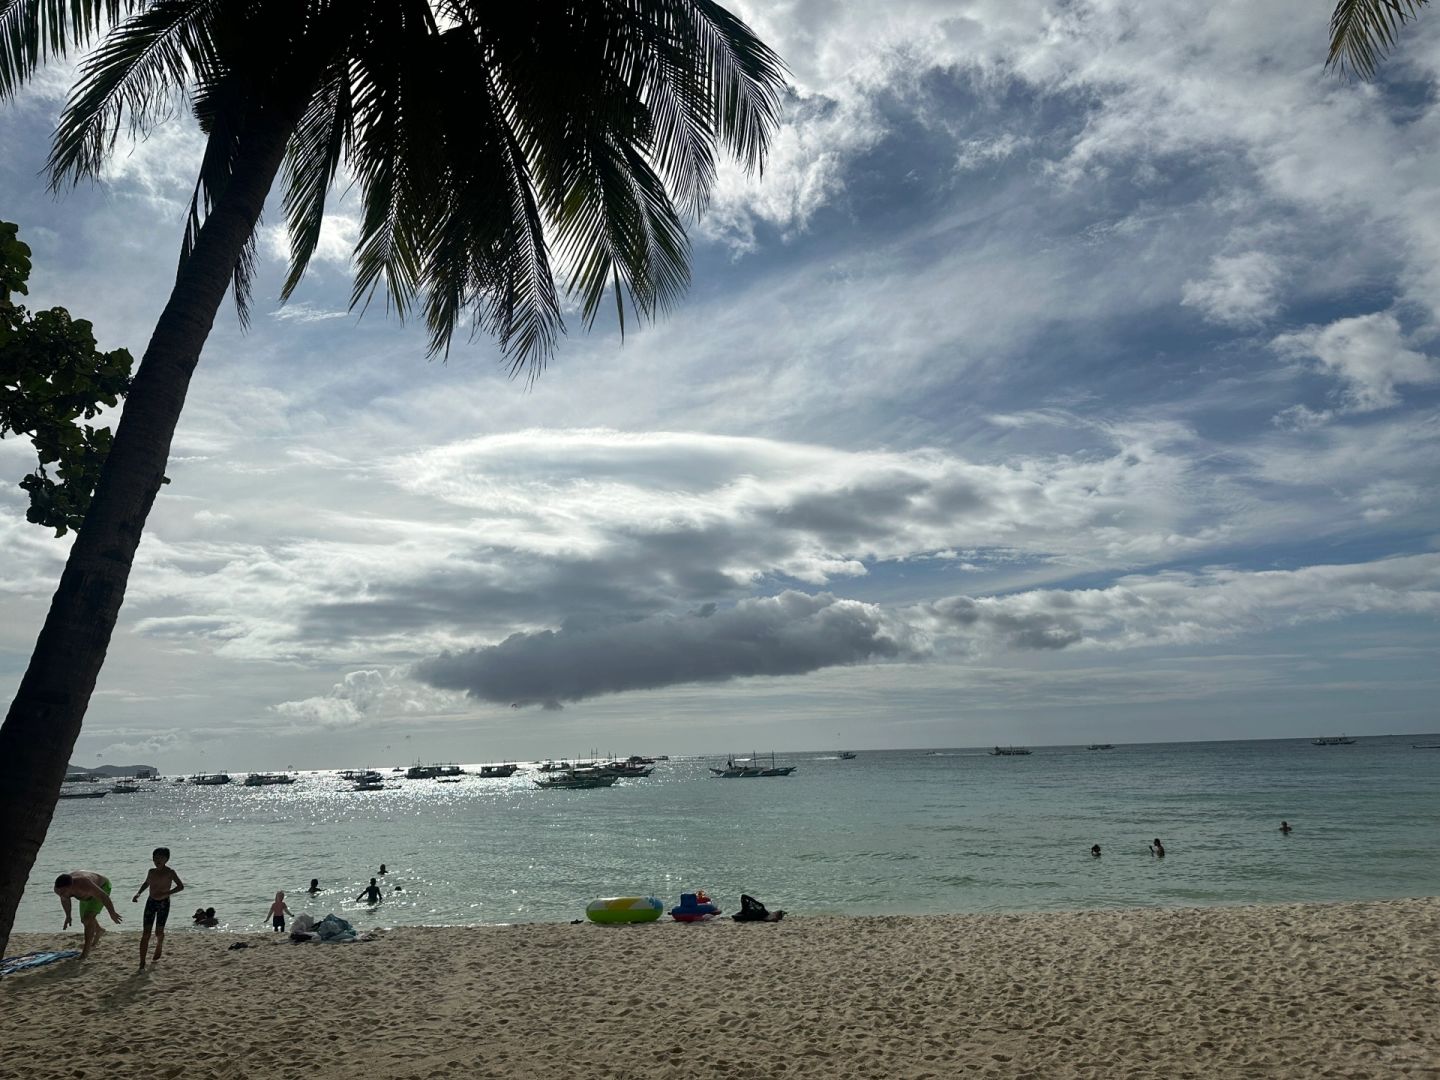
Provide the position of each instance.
(577, 780)
(365, 780)
(210, 779)
(498, 772)
(744, 768)
(259, 779)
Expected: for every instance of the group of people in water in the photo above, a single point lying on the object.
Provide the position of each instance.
(91, 892)
(1157, 849)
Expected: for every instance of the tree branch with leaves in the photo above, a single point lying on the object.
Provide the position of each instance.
(52, 377)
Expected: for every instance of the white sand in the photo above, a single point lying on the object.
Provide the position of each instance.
(1349, 990)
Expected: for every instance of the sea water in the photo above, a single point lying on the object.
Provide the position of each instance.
(889, 832)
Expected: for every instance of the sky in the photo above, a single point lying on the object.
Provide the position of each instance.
(1070, 375)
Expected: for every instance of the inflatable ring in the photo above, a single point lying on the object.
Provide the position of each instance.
(624, 909)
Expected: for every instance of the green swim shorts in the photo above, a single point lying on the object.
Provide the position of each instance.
(94, 907)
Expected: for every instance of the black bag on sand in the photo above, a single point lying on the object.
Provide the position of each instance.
(752, 910)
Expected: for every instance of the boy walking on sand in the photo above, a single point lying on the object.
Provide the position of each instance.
(93, 892)
(163, 883)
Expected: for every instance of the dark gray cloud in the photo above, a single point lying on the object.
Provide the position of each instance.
(789, 634)
(1019, 629)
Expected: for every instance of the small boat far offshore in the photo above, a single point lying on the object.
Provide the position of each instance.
(1100, 746)
(1009, 751)
(1333, 740)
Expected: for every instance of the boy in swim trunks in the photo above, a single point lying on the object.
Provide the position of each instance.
(163, 883)
(93, 892)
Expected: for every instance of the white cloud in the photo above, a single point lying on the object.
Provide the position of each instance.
(1241, 290)
(365, 698)
(1368, 354)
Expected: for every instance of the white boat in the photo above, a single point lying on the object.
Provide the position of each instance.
(847, 755)
(210, 779)
(124, 787)
(1333, 740)
(1009, 751)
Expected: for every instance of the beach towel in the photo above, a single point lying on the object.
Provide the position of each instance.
(26, 961)
(303, 923)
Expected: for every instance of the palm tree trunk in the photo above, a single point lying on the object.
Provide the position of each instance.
(40, 730)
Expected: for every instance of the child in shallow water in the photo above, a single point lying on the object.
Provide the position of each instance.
(278, 911)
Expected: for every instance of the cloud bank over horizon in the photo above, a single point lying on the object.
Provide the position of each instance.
(796, 633)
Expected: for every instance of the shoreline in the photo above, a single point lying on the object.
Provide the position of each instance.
(1302, 989)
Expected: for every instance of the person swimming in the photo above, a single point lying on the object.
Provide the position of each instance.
(383, 871)
(1157, 849)
(1095, 850)
(1285, 827)
(314, 886)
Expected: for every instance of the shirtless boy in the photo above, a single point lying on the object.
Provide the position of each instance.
(163, 883)
(93, 892)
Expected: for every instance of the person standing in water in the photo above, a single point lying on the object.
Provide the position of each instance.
(1095, 850)
(93, 892)
(314, 886)
(371, 893)
(383, 871)
(1157, 849)
(163, 883)
(278, 911)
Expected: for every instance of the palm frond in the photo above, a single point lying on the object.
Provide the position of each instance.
(394, 152)
(488, 256)
(1363, 31)
(139, 70)
(310, 168)
(746, 82)
(33, 32)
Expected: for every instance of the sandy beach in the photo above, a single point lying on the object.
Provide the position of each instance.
(1345, 990)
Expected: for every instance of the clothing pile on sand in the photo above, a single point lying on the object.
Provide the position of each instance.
(331, 929)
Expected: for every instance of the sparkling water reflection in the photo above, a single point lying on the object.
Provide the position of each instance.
(888, 832)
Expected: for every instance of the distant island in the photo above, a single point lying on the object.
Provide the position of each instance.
(110, 771)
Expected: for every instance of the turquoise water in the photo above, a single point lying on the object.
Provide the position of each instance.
(889, 832)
